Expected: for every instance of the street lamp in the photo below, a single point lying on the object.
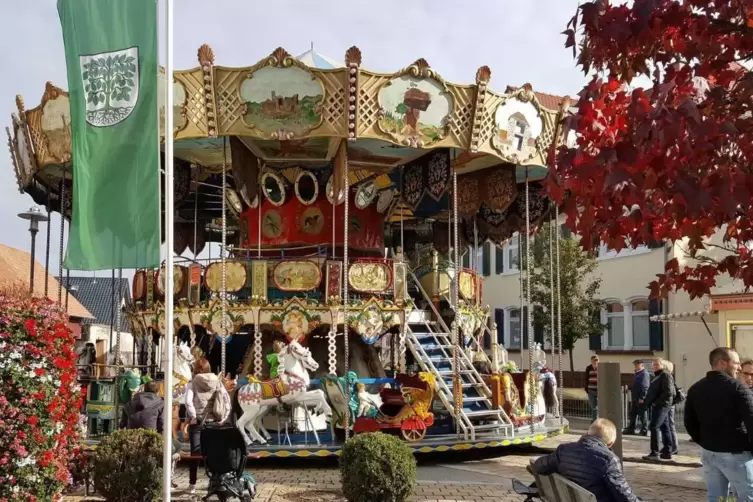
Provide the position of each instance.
(34, 215)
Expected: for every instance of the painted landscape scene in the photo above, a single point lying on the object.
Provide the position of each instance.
(282, 98)
(415, 108)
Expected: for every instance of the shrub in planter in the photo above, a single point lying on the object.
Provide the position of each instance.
(377, 467)
(39, 397)
(127, 466)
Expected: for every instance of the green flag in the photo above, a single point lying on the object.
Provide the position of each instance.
(111, 54)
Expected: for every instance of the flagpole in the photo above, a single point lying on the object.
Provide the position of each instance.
(169, 240)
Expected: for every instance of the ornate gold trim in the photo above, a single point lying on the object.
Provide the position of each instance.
(483, 75)
(205, 55)
(353, 61)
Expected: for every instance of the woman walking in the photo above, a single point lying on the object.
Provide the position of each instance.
(202, 392)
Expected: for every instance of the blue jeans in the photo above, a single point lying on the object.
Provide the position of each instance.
(593, 403)
(672, 430)
(660, 424)
(723, 469)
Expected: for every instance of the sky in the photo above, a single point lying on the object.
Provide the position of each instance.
(520, 41)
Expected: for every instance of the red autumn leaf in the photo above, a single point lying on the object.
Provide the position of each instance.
(680, 150)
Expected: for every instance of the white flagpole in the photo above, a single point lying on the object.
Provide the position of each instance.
(169, 270)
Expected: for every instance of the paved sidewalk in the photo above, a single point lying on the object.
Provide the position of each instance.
(484, 480)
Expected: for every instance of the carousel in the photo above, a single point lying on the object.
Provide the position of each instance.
(340, 203)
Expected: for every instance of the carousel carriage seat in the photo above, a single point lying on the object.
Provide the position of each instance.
(395, 397)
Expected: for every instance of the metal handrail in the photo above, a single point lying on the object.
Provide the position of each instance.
(464, 361)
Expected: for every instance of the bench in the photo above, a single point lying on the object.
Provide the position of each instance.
(553, 488)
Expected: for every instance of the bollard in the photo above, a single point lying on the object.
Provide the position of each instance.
(610, 400)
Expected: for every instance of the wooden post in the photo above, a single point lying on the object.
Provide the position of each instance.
(610, 400)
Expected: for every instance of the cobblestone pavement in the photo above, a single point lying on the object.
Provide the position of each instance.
(478, 480)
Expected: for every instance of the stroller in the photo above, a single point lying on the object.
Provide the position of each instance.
(225, 454)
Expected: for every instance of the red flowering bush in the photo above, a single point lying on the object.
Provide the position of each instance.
(39, 398)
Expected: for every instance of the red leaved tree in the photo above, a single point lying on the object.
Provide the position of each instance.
(673, 161)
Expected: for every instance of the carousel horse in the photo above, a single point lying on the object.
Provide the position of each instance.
(290, 387)
(183, 360)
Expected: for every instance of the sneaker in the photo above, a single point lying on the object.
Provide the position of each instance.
(628, 432)
(675, 452)
(192, 489)
(643, 433)
(651, 456)
(666, 456)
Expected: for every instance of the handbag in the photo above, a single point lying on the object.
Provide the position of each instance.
(679, 395)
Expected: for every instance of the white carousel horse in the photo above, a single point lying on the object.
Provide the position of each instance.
(547, 381)
(289, 387)
(183, 360)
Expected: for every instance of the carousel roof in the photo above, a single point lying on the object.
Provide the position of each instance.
(311, 113)
(313, 59)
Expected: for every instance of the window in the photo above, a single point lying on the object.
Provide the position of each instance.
(606, 252)
(615, 326)
(479, 261)
(640, 320)
(507, 256)
(514, 329)
(628, 326)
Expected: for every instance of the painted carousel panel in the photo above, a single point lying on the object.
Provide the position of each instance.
(180, 281)
(370, 276)
(282, 103)
(415, 110)
(180, 119)
(50, 125)
(297, 275)
(235, 277)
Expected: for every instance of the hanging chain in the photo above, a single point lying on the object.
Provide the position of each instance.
(223, 258)
(559, 316)
(346, 330)
(149, 350)
(62, 234)
(457, 345)
(47, 247)
(552, 331)
(118, 350)
(530, 310)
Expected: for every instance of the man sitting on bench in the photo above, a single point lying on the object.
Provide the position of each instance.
(590, 463)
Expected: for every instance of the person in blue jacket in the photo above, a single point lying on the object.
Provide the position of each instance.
(638, 391)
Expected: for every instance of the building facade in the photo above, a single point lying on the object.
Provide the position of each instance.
(629, 333)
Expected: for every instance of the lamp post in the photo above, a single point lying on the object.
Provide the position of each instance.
(34, 215)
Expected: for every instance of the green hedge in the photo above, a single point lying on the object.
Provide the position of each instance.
(377, 467)
(127, 466)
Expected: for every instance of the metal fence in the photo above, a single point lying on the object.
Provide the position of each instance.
(579, 409)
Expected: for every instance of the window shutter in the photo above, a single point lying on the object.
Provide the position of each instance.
(594, 339)
(524, 327)
(538, 329)
(499, 257)
(486, 259)
(655, 328)
(499, 318)
(466, 261)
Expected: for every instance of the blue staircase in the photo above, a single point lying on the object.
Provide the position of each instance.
(430, 342)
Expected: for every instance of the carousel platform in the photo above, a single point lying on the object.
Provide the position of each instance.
(431, 444)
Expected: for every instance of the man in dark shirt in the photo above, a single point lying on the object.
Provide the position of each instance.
(144, 410)
(591, 387)
(590, 463)
(719, 418)
(638, 391)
